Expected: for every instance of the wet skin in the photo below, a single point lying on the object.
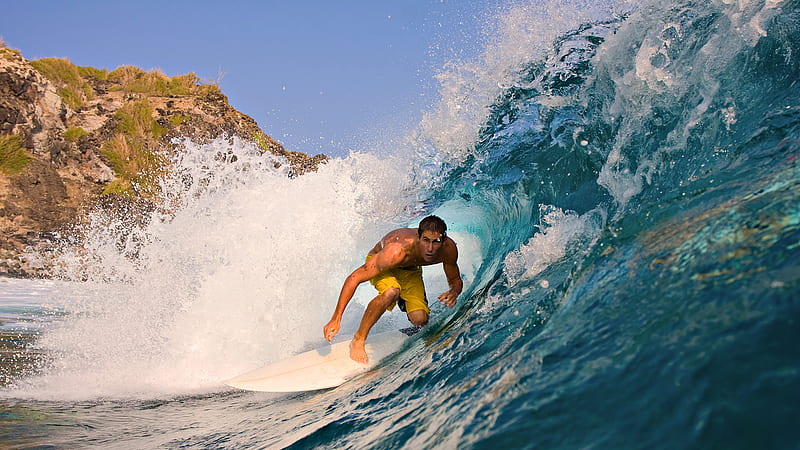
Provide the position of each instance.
(400, 248)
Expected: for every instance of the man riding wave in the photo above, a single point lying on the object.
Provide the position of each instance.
(394, 268)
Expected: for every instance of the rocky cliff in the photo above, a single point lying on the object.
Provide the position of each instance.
(75, 137)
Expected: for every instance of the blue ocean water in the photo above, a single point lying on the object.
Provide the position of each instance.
(623, 182)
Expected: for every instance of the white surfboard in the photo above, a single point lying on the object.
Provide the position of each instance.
(323, 368)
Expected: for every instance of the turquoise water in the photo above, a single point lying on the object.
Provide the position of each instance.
(625, 198)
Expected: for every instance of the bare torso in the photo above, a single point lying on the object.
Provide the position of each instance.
(406, 239)
(401, 248)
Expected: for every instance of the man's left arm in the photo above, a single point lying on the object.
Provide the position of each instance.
(453, 274)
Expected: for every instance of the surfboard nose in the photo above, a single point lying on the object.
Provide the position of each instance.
(322, 368)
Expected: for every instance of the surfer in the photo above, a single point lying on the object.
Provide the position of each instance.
(393, 267)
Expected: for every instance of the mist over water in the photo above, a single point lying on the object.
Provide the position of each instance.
(242, 269)
(622, 181)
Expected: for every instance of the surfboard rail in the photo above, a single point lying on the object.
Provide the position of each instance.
(322, 368)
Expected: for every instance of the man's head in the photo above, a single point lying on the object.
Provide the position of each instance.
(432, 232)
(432, 223)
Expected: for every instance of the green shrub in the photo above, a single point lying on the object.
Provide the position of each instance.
(154, 82)
(178, 119)
(183, 84)
(72, 134)
(204, 90)
(73, 89)
(13, 158)
(260, 141)
(9, 53)
(86, 71)
(129, 151)
(120, 187)
(136, 120)
(125, 74)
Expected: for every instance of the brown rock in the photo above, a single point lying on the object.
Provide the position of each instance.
(66, 177)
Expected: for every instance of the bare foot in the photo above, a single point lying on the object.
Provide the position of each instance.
(357, 351)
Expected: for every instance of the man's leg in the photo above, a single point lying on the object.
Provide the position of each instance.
(416, 303)
(418, 317)
(373, 312)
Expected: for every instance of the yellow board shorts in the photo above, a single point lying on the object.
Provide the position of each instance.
(409, 281)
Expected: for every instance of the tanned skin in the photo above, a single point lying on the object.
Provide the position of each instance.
(403, 247)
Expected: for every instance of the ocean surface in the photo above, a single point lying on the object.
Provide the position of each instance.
(623, 182)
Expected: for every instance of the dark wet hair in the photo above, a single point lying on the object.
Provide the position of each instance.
(432, 223)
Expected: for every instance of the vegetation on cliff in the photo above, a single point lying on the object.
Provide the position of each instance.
(136, 164)
(13, 158)
(72, 137)
(73, 89)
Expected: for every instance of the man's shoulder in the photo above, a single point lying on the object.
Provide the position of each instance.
(449, 250)
(393, 251)
(402, 231)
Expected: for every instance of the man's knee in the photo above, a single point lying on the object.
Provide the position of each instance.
(388, 298)
(418, 318)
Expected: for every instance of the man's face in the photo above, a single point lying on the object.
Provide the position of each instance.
(430, 243)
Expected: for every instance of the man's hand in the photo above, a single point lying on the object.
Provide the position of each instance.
(330, 330)
(448, 299)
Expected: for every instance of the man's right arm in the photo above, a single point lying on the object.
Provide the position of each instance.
(346, 294)
(368, 270)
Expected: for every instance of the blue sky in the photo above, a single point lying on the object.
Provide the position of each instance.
(319, 76)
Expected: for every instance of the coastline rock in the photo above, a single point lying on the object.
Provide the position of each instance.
(66, 144)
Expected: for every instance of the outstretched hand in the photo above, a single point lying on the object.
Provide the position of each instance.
(331, 329)
(448, 299)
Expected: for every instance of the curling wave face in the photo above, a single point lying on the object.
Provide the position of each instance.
(623, 183)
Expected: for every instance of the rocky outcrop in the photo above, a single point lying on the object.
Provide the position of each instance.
(72, 138)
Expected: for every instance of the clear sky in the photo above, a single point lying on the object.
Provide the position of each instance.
(320, 76)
